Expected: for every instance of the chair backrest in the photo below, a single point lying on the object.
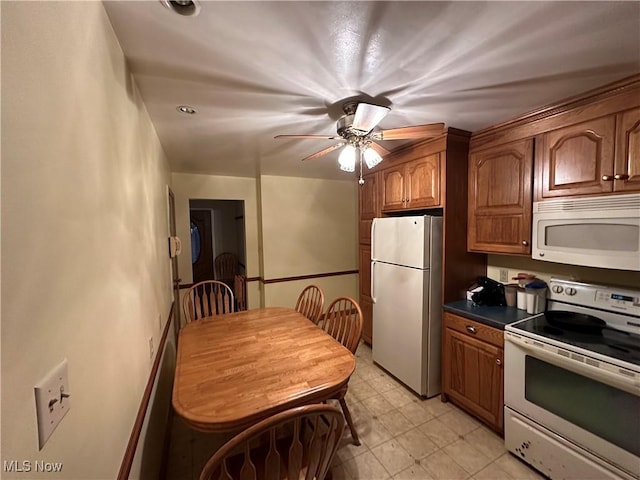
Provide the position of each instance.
(310, 303)
(343, 321)
(207, 299)
(226, 266)
(297, 443)
(240, 292)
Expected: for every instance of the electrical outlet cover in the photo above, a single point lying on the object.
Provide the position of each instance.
(51, 404)
(504, 275)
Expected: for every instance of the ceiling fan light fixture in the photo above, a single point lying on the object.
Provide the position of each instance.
(368, 116)
(371, 157)
(347, 159)
(186, 8)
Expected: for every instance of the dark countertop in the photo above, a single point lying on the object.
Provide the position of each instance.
(496, 317)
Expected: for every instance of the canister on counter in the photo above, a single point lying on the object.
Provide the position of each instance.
(521, 298)
(510, 294)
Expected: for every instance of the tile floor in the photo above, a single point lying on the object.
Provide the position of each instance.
(402, 436)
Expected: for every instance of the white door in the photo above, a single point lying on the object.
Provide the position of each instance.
(399, 333)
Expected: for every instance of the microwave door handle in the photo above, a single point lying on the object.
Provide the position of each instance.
(629, 384)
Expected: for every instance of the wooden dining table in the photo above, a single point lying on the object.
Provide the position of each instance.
(236, 369)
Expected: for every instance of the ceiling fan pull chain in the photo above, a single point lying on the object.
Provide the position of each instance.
(361, 180)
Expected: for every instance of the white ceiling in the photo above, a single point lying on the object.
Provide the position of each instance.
(254, 70)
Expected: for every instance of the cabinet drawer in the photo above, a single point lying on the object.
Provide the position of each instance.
(474, 329)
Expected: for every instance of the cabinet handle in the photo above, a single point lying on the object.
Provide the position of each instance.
(525, 243)
(607, 178)
(471, 329)
(623, 176)
(498, 361)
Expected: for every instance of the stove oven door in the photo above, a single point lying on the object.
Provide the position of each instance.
(592, 405)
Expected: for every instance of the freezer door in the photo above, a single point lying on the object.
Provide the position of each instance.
(400, 240)
(401, 326)
(403, 240)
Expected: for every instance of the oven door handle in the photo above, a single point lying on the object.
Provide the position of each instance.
(628, 384)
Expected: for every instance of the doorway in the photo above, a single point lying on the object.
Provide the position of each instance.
(217, 226)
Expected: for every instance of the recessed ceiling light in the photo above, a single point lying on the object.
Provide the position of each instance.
(187, 8)
(186, 109)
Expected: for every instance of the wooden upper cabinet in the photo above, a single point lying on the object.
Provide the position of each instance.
(499, 217)
(412, 185)
(627, 163)
(576, 160)
(393, 190)
(367, 206)
(423, 182)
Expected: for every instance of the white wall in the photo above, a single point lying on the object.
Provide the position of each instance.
(85, 273)
(546, 270)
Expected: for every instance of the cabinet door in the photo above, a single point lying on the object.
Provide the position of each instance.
(627, 167)
(365, 301)
(366, 305)
(423, 182)
(368, 206)
(499, 218)
(393, 189)
(365, 270)
(473, 376)
(577, 160)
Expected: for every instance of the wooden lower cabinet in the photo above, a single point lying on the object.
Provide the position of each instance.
(366, 305)
(365, 301)
(472, 368)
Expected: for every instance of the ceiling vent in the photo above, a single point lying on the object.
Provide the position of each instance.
(186, 8)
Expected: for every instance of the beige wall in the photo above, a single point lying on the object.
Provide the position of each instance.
(209, 187)
(294, 227)
(309, 226)
(545, 270)
(85, 273)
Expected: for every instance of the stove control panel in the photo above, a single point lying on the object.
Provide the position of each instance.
(611, 299)
(617, 298)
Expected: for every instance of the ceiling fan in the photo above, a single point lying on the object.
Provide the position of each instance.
(355, 132)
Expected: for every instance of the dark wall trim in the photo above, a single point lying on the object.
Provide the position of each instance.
(129, 453)
(307, 277)
(288, 279)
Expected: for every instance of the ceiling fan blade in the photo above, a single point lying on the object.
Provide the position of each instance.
(416, 131)
(324, 152)
(380, 149)
(315, 137)
(367, 116)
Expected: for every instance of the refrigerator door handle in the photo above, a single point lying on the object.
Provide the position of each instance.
(373, 243)
(373, 282)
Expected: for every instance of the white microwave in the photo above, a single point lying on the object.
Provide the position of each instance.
(593, 231)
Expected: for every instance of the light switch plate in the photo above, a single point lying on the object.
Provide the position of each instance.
(52, 401)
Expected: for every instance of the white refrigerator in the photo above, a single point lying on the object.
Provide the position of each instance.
(406, 287)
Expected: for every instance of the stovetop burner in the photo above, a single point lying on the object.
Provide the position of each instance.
(607, 341)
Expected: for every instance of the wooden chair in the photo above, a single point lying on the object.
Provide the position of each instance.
(226, 267)
(310, 303)
(297, 443)
(343, 321)
(240, 292)
(207, 299)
